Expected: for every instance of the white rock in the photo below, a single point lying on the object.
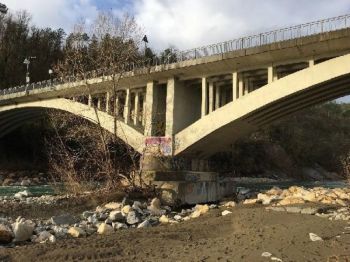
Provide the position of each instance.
(23, 230)
(178, 217)
(230, 204)
(22, 194)
(52, 239)
(43, 237)
(118, 225)
(276, 259)
(105, 229)
(195, 214)
(113, 205)
(144, 224)
(314, 237)
(266, 254)
(226, 212)
(164, 219)
(76, 232)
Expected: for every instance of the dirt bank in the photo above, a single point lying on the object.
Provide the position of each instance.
(242, 236)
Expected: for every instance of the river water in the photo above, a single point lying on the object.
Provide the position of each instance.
(35, 190)
(48, 190)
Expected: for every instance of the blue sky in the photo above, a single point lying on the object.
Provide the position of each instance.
(186, 23)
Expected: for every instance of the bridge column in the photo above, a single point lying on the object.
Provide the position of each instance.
(144, 109)
(116, 105)
(234, 86)
(170, 108)
(137, 108)
(90, 101)
(150, 112)
(271, 74)
(217, 96)
(108, 102)
(204, 96)
(211, 97)
(246, 86)
(240, 85)
(127, 107)
(99, 103)
(311, 62)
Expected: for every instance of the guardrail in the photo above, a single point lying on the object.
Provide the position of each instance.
(284, 34)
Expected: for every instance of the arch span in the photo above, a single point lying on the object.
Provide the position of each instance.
(218, 130)
(13, 116)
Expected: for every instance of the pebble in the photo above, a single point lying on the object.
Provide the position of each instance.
(226, 212)
(314, 237)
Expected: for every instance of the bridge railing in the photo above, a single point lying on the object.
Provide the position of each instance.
(284, 34)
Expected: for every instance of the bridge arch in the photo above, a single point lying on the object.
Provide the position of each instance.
(320, 83)
(13, 116)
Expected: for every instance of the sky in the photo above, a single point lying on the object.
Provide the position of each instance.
(186, 24)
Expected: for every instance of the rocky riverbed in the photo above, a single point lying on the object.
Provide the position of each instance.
(111, 217)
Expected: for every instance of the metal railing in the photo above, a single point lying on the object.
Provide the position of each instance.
(284, 34)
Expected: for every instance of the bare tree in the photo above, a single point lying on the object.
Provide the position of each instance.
(110, 45)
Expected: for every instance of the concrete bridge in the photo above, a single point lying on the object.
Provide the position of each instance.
(210, 97)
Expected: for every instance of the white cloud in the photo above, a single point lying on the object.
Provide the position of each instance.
(55, 13)
(192, 23)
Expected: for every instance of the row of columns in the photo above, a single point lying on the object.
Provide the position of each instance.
(240, 87)
(127, 106)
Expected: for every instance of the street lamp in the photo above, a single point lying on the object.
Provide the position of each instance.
(50, 73)
(27, 63)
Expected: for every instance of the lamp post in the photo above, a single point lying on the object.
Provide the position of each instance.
(50, 73)
(27, 63)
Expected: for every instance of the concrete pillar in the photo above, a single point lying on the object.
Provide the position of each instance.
(108, 102)
(240, 86)
(143, 109)
(270, 74)
(150, 112)
(234, 86)
(127, 107)
(204, 96)
(311, 62)
(246, 86)
(99, 103)
(137, 108)
(90, 100)
(217, 96)
(223, 98)
(170, 103)
(211, 97)
(116, 105)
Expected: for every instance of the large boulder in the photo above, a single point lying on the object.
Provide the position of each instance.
(6, 234)
(132, 218)
(267, 199)
(23, 230)
(155, 208)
